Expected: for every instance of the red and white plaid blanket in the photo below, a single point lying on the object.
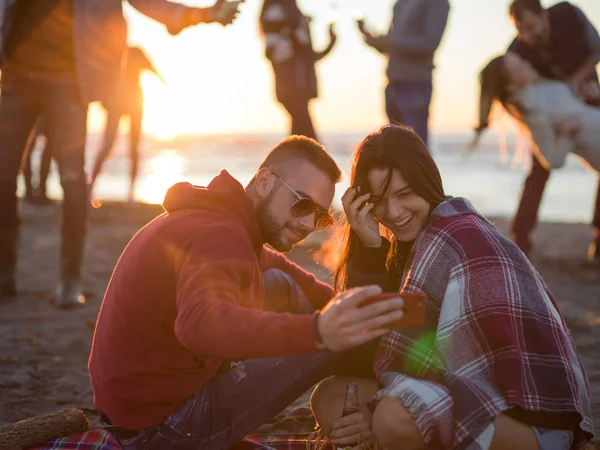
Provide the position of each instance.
(101, 440)
(494, 340)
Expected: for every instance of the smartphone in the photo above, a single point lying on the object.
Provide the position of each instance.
(414, 308)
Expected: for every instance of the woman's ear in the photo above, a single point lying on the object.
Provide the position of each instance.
(264, 182)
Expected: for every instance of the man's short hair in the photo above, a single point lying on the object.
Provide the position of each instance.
(518, 7)
(288, 152)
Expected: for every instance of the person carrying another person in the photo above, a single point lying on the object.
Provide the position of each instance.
(57, 56)
(289, 49)
(561, 44)
(189, 351)
(493, 364)
(410, 45)
(557, 119)
(127, 101)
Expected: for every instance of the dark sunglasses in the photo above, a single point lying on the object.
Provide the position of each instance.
(305, 206)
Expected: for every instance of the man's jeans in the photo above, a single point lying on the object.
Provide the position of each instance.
(237, 402)
(23, 99)
(407, 103)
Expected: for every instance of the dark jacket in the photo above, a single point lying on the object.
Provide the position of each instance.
(569, 43)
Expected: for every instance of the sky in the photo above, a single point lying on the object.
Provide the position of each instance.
(219, 81)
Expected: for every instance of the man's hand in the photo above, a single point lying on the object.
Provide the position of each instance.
(354, 430)
(342, 325)
(223, 12)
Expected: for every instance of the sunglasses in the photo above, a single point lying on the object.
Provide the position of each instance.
(305, 206)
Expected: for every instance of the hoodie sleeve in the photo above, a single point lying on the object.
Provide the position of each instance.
(317, 292)
(211, 319)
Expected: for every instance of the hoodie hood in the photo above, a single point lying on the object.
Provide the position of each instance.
(224, 195)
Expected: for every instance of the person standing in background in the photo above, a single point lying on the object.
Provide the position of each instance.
(56, 57)
(560, 43)
(413, 38)
(128, 101)
(289, 48)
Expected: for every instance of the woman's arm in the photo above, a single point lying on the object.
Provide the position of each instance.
(368, 266)
(332, 41)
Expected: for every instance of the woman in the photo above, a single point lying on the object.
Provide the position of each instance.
(129, 102)
(558, 120)
(289, 48)
(494, 363)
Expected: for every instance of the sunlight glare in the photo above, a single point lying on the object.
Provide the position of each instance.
(166, 170)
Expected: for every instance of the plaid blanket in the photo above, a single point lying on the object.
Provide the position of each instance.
(90, 440)
(494, 338)
(101, 440)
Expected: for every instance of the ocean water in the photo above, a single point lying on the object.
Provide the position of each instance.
(493, 182)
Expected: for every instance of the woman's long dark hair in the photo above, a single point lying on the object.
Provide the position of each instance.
(391, 147)
(494, 80)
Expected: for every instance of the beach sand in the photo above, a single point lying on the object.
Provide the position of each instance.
(44, 351)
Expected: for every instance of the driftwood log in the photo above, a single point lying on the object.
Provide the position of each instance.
(37, 430)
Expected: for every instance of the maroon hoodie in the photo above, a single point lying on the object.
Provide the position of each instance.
(185, 295)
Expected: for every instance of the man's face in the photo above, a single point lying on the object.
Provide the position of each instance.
(279, 227)
(533, 29)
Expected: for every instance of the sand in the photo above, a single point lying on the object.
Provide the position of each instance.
(44, 351)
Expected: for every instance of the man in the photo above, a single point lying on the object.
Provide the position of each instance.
(560, 43)
(57, 56)
(414, 36)
(127, 101)
(186, 296)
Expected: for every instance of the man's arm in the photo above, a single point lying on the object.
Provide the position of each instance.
(588, 67)
(213, 318)
(175, 16)
(317, 292)
(332, 41)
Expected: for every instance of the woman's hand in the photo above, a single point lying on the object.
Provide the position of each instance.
(360, 218)
(354, 431)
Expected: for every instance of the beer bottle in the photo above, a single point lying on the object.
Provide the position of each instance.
(350, 406)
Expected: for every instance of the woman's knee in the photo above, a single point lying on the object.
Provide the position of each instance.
(393, 424)
(327, 401)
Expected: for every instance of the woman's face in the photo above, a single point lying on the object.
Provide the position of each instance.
(520, 72)
(399, 209)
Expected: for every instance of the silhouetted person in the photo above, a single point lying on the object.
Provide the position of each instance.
(413, 38)
(560, 43)
(289, 48)
(129, 101)
(57, 57)
(36, 193)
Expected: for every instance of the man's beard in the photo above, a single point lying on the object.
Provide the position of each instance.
(270, 228)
